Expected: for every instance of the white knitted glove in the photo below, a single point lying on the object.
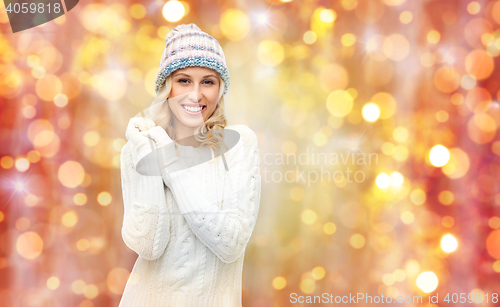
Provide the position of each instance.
(153, 150)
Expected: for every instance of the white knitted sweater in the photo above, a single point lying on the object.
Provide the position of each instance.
(191, 239)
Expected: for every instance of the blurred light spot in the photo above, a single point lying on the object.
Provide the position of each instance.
(388, 279)
(427, 59)
(383, 181)
(473, 7)
(400, 134)
(495, 148)
(2, 216)
(333, 77)
(270, 53)
(406, 17)
(91, 291)
(29, 245)
(22, 164)
(447, 221)
(34, 156)
(23, 223)
(78, 286)
(448, 243)
(442, 116)
(458, 165)
(318, 273)
(394, 2)
(234, 24)
(53, 283)
(327, 15)
(494, 222)
(29, 112)
(397, 179)
(104, 198)
(433, 37)
(279, 283)
(309, 37)
(401, 153)
(319, 139)
(349, 5)
(481, 128)
(439, 155)
(371, 112)
(357, 241)
(407, 217)
(71, 174)
(80, 199)
(478, 100)
(388, 148)
(307, 285)
(339, 103)
(396, 47)
(399, 275)
(69, 219)
(82, 244)
(7, 162)
(348, 39)
(492, 245)
(173, 11)
(446, 197)
(91, 138)
(479, 64)
(61, 100)
(31, 200)
(48, 87)
(137, 11)
(418, 197)
(308, 216)
(446, 79)
(117, 279)
(427, 281)
(386, 103)
(468, 82)
(412, 268)
(329, 228)
(496, 266)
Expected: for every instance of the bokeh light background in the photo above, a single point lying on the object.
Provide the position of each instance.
(415, 83)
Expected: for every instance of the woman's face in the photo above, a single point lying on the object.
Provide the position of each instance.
(193, 97)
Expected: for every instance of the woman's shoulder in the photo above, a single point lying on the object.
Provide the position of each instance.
(245, 132)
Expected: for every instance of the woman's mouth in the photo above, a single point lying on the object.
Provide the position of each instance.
(192, 110)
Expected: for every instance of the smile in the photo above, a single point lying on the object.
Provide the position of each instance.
(193, 110)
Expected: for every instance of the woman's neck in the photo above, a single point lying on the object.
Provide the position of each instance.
(184, 135)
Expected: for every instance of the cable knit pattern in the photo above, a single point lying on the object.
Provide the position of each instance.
(191, 236)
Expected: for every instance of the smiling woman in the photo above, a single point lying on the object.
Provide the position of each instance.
(191, 242)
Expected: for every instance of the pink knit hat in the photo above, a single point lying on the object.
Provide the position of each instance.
(187, 45)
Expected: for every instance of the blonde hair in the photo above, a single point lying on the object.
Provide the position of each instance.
(210, 132)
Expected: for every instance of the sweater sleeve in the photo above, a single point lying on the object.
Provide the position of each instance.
(146, 222)
(225, 232)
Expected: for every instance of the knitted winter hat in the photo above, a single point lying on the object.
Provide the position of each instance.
(187, 45)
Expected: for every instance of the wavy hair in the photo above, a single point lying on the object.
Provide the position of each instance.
(210, 132)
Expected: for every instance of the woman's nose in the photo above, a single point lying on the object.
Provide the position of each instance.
(195, 95)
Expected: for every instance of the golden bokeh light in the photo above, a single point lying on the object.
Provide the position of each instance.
(29, 245)
(357, 241)
(427, 281)
(104, 198)
(449, 243)
(173, 11)
(439, 155)
(339, 103)
(279, 282)
(71, 174)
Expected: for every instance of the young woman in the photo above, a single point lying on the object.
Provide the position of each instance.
(191, 224)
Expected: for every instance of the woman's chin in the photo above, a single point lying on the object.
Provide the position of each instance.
(191, 122)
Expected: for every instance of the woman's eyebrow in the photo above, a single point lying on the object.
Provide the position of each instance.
(181, 73)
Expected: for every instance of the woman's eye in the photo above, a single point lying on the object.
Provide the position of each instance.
(181, 80)
(210, 81)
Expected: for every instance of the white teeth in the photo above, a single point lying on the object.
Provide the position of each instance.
(192, 109)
